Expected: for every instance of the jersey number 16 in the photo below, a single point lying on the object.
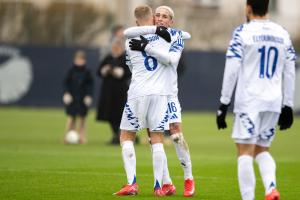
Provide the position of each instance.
(265, 56)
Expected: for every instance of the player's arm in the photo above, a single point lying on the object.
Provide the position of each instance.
(136, 31)
(128, 62)
(171, 57)
(289, 77)
(286, 117)
(167, 58)
(186, 35)
(232, 67)
(233, 64)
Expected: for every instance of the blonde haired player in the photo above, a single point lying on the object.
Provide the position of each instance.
(164, 17)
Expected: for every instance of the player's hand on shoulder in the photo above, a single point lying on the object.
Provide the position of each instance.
(221, 116)
(163, 32)
(286, 118)
(138, 45)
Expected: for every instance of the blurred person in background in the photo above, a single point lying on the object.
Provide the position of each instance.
(116, 33)
(115, 81)
(78, 90)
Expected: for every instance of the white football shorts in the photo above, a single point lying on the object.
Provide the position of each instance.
(145, 112)
(255, 128)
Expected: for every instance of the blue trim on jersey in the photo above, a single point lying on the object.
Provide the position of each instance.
(177, 45)
(240, 28)
(131, 118)
(174, 116)
(128, 61)
(152, 38)
(173, 31)
(235, 47)
(291, 53)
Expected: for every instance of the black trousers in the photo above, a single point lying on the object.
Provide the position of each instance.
(115, 127)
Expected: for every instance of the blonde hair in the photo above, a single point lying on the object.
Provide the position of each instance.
(169, 9)
(143, 12)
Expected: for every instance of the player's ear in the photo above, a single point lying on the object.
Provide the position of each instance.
(137, 23)
(248, 11)
(171, 22)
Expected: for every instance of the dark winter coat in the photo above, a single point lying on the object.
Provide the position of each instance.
(79, 83)
(113, 94)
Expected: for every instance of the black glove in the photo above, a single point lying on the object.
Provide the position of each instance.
(286, 118)
(163, 32)
(221, 115)
(138, 45)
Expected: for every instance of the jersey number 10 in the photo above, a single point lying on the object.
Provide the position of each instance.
(266, 55)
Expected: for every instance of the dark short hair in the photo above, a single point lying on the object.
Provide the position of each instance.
(259, 7)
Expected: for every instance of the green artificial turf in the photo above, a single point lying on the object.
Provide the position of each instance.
(34, 164)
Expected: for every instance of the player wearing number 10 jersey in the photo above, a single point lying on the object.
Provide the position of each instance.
(260, 62)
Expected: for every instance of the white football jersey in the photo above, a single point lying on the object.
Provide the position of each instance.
(261, 60)
(166, 53)
(152, 70)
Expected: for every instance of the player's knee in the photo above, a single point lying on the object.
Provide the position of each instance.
(260, 149)
(177, 137)
(175, 128)
(156, 138)
(126, 135)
